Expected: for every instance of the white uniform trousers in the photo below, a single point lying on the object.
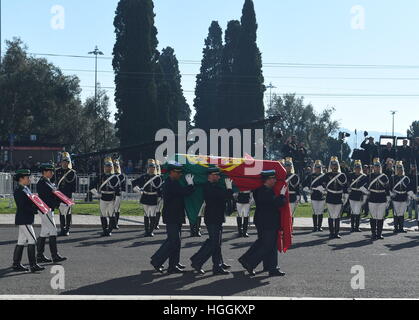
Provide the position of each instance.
(334, 210)
(293, 206)
(64, 209)
(243, 210)
(159, 205)
(149, 211)
(107, 208)
(117, 204)
(318, 206)
(356, 207)
(48, 227)
(26, 235)
(377, 210)
(400, 208)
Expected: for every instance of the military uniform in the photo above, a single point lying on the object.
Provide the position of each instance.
(215, 197)
(243, 203)
(335, 183)
(414, 202)
(267, 221)
(293, 182)
(122, 188)
(357, 189)
(173, 216)
(66, 181)
(24, 219)
(401, 192)
(150, 188)
(310, 185)
(107, 187)
(379, 200)
(45, 190)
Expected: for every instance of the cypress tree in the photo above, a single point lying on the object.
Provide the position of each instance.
(135, 56)
(207, 80)
(247, 68)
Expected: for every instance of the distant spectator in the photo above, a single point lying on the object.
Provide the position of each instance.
(388, 152)
(371, 148)
(290, 147)
(404, 153)
(129, 169)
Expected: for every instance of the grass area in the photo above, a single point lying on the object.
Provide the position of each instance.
(132, 208)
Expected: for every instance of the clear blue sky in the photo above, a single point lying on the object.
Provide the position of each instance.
(290, 31)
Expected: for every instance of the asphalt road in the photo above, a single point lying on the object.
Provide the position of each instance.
(315, 267)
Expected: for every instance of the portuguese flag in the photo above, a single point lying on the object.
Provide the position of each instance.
(245, 174)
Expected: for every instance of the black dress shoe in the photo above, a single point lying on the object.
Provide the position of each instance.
(248, 268)
(175, 270)
(20, 267)
(225, 266)
(157, 268)
(181, 266)
(198, 269)
(42, 259)
(220, 271)
(276, 273)
(36, 268)
(58, 258)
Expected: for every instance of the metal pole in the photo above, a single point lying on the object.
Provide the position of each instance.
(393, 114)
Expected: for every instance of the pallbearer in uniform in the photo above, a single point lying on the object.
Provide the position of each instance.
(337, 195)
(25, 216)
(267, 221)
(123, 188)
(45, 190)
(106, 187)
(293, 182)
(401, 192)
(66, 181)
(311, 183)
(173, 217)
(379, 199)
(357, 182)
(215, 197)
(243, 203)
(149, 186)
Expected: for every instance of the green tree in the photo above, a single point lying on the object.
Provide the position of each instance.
(172, 103)
(207, 80)
(413, 130)
(37, 98)
(228, 116)
(247, 68)
(312, 128)
(135, 55)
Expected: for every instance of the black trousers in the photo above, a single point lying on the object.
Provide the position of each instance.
(170, 249)
(264, 249)
(210, 248)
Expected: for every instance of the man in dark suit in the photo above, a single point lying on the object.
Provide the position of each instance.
(371, 148)
(173, 217)
(215, 197)
(267, 221)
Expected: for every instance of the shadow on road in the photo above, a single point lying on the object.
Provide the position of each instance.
(150, 283)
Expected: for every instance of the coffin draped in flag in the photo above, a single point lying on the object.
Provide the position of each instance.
(245, 174)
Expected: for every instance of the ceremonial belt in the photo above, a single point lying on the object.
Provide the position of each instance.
(335, 178)
(400, 192)
(335, 192)
(291, 192)
(150, 193)
(317, 179)
(377, 180)
(246, 192)
(106, 182)
(107, 192)
(377, 191)
(399, 183)
(65, 176)
(355, 189)
(356, 180)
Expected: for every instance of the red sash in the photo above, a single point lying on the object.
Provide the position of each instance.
(37, 201)
(63, 198)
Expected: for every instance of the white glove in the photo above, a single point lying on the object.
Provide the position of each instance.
(137, 189)
(392, 194)
(306, 189)
(95, 193)
(411, 195)
(189, 179)
(364, 190)
(283, 190)
(229, 183)
(320, 188)
(298, 199)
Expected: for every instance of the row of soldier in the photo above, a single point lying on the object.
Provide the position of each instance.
(331, 189)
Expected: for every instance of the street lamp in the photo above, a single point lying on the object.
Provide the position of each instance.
(393, 113)
(96, 52)
(270, 87)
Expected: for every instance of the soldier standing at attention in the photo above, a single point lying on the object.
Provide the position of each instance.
(25, 216)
